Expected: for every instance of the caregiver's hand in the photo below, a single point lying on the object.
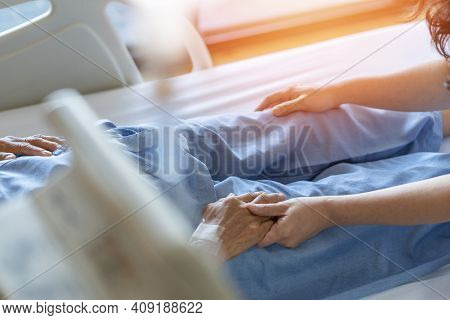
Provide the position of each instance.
(298, 98)
(298, 220)
(241, 229)
(37, 145)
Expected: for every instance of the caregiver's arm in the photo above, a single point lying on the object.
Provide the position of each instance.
(416, 89)
(423, 202)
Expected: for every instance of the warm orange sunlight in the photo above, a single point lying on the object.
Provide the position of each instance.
(224, 14)
(235, 30)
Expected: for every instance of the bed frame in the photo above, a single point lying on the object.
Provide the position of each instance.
(73, 45)
(238, 87)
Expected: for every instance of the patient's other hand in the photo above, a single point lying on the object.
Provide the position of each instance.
(242, 229)
(37, 145)
(297, 98)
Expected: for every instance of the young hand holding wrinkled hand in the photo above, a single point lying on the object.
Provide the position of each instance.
(264, 219)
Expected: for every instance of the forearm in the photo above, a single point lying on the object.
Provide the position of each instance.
(417, 89)
(423, 202)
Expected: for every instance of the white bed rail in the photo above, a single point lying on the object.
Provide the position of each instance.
(196, 47)
(75, 46)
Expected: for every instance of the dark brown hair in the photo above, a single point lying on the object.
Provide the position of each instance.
(438, 19)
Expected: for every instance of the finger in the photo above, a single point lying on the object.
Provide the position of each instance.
(269, 198)
(264, 228)
(249, 197)
(27, 149)
(273, 236)
(7, 156)
(271, 100)
(228, 197)
(284, 109)
(289, 243)
(12, 138)
(267, 210)
(288, 107)
(58, 140)
(43, 143)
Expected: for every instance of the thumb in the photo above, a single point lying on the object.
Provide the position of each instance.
(267, 210)
(272, 236)
(288, 107)
(269, 198)
(7, 156)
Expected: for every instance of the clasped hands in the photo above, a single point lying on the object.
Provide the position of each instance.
(264, 219)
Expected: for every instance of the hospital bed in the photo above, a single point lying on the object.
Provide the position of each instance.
(238, 87)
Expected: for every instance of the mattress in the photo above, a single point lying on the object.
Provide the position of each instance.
(238, 87)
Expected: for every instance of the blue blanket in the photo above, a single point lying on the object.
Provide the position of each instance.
(346, 151)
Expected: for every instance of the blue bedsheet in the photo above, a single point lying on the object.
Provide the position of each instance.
(345, 151)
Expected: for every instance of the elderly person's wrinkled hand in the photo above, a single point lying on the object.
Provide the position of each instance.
(37, 145)
(241, 229)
